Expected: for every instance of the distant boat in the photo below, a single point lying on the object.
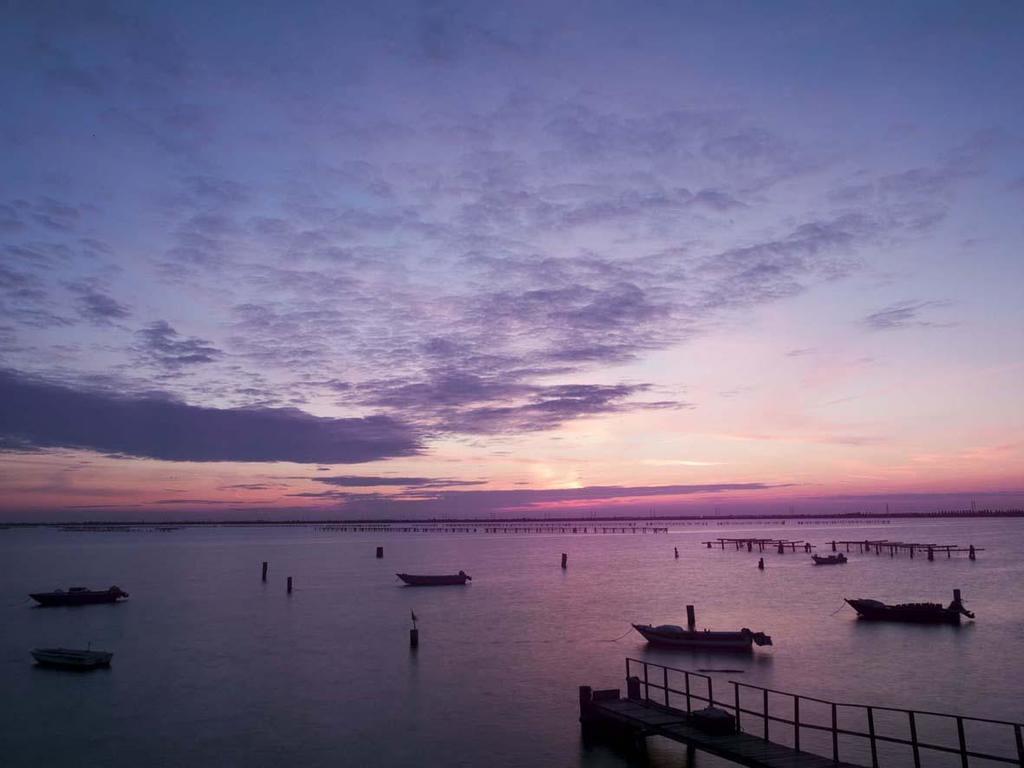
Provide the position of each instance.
(919, 613)
(434, 581)
(79, 596)
(675, 636)
(67, 658)
(829, 559)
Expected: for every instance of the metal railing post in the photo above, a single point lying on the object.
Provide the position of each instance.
(711, 694)
(963, 741)
(1020, 745)
(835, 734)
(686, 675)
(665, 670)
(765, 702)
(913, 741)
(647, 690)
(871, 736)
(736, 698)
(796, 723)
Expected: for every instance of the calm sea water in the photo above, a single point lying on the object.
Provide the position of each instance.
(213, 667)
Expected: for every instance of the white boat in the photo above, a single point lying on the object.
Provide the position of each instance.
(676, 636)
(68, 658)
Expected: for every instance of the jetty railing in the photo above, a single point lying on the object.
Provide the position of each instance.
(699, 688)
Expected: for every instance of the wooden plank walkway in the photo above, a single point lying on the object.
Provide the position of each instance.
(656, 720)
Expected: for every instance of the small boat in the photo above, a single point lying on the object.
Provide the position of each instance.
(675, 636)
(67, 658)
(434, 581)
(79, 596)
(829, 559)
(919, 613)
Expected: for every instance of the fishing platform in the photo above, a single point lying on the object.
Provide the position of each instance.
(765, 728)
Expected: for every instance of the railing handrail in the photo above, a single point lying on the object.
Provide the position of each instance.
(877, 708)
(871, 735)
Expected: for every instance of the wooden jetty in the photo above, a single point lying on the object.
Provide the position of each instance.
(761, 544)
(763, 728)
(878, 546)
(498, 528)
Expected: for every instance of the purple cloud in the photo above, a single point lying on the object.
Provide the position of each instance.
(38, 414)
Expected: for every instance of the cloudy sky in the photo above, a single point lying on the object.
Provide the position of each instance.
(304, 259)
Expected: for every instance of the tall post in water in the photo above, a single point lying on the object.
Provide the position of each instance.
(380, 552)
(691, 617)
(677, 552)
(565, 560)
(971, 554)
(833, 545)
(760, 564)
(264, 570)
(289, 585)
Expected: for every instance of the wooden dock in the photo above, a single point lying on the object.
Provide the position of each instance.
(649, 719)
(767, 728)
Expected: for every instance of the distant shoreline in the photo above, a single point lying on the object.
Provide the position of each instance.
(649, 520)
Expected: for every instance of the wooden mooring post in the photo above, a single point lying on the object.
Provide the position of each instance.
(380, 553)
(264, 570)
(691, 617)
(565, 560)
(289, 585)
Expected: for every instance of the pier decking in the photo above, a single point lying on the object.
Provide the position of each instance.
(766, 728)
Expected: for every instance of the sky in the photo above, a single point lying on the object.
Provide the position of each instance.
(328, 260)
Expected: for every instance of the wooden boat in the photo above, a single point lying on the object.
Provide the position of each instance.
(79, 596)
(434, 581)
(918, 613)
(677, 637)
(67, 658)
(839, 559)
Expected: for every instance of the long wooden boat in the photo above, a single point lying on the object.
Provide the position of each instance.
(79, 596)
(434, 581)
(918, 613)
(68, 658)
(677, 637)
(839, 559)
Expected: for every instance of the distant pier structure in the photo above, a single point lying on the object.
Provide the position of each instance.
(760, 544)
(894, 548)
(513, 528)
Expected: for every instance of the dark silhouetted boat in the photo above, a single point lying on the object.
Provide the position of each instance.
(67, 658)
(434, 581)
(79, 596)
(839, 559)
(677, 637)
(919, 613)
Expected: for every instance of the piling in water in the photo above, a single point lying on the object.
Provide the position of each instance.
(264, 570)
(760, 564)
(380, 552)
(414, 638)
(565, 560)
(970, 553)
(677, 552)
(289, 585)
(691, 617)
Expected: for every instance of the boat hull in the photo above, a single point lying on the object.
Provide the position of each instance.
(739, 642)
(78, 597)
(829, 560)
(65, 658)
(913, 613)
(413, 580)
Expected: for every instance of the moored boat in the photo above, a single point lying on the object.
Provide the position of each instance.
(839, 559)
(918, 613)
(68, 658)
(79, 596)
(434, 581)
(676, 636)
